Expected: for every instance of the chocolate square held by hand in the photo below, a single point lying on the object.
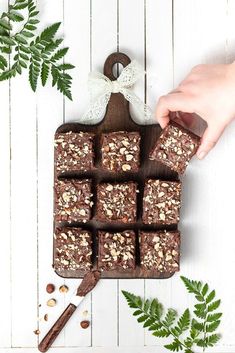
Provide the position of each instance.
(175, 147)
(161, 202)
(117, 202)
(73, 200)
(72, 249)
(74, 152)
(160, 250)
(120, 151)
(116, 250)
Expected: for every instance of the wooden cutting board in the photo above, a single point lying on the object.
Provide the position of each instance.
(118, 118)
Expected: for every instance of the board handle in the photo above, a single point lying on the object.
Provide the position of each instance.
(112, 59)
(52, 334)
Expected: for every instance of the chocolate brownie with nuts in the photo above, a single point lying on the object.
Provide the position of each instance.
(175, 147)
(74, 152)
(160, 250)
(73, 200)
(117, 202)
(161, 202)
(116, 250)
(72, 249)
(120, 151)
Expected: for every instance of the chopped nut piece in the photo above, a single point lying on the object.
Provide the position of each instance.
(175, 147)
(118, 148)
(64, 288)
(85, 324)
(36, 332)
(51, 302)
(45, 317)
(50, 288)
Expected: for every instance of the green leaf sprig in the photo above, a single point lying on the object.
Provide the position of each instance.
(187, 331)
(38, 53)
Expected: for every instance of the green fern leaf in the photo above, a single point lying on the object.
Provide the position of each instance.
(5, 25)
(213, 317)
(210, 297)
(15, 16)
(20, 6)
(20, 39)
(34, 72)
(155, 326)
(7, 40)
(210, 341)
(170, 317)
(6, 75)
(175, 346)
(183, 322)
(149, 322)
(161, 333)
(205, 289)
(66, 67)
(3, 61)
(27, 34)
(142, 318)
(192, 286)
(49, 33)
(59, 54)
(213, 326)
(214, 305)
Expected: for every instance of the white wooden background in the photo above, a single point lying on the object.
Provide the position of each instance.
(168, 38)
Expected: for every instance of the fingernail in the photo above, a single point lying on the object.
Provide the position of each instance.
(201, 154)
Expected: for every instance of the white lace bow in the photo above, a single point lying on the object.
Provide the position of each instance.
(101, 87)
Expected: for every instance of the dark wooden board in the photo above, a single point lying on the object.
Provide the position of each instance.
(117, 118)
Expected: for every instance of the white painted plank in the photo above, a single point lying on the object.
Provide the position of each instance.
(104, 299)
(77, 38)
(50, 116)
(131, 42)
(201, 38)
(24, 211)
(5, 259)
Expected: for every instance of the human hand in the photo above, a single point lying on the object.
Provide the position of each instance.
(208, 91)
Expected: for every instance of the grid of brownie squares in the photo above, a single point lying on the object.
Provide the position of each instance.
(175, 147)
(116, 203)
(74, 152)
(160, 250)
(73, 249)
(116, 250)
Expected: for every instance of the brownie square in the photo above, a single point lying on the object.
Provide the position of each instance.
(175, 147)
(120, 151)
(161, 202)
(72, 249)
(116, 250)
(160, 250)
(74, 151)
(73, 200)
(116, 202)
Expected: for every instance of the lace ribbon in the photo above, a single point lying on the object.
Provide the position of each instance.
(101, 87)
